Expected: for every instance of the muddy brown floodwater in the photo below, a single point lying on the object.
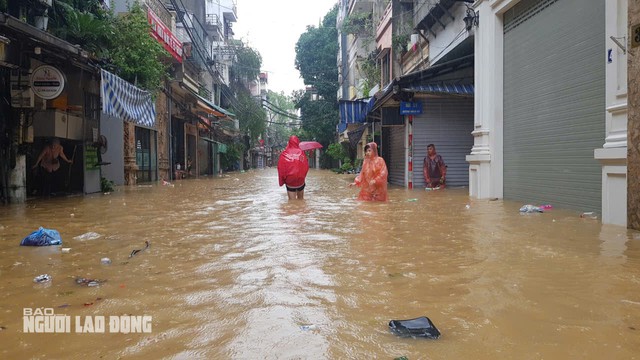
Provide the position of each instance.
(235, 271)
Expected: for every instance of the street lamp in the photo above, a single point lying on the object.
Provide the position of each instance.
(471, 19)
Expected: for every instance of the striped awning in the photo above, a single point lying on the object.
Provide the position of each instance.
(125, 101)
(449, 89)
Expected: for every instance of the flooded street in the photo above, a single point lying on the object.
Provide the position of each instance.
(235, 271)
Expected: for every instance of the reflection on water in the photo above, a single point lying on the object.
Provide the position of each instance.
(236, 271)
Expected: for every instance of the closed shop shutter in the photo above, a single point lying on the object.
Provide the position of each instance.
(554, 100)
(447, 123)
(397, 161)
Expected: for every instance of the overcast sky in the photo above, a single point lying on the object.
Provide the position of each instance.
(273, 27)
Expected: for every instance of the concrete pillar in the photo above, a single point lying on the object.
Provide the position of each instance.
(162, 124)
(486, 158)
(633, 121)
(18, 181)
(130, 166)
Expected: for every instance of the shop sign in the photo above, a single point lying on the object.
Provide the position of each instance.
(163, 34)
(47, 82)
(410, 108)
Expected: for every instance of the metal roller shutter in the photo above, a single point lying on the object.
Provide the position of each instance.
(554, 100)
(397, 161)
(447, 123)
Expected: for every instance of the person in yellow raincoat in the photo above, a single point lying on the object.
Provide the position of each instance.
(373, 177)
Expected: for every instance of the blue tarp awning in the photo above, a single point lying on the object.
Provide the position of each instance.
(354, 111)
(123, 100)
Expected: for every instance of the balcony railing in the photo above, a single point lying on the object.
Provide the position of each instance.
(231, 12)
(214, 26)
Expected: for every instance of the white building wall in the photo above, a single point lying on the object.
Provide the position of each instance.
(449, 37)
(486, 158)
(613, 154)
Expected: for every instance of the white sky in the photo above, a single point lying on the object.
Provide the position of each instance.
(272, 27)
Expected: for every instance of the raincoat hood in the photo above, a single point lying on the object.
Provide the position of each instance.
(294, 142)
(374, 149)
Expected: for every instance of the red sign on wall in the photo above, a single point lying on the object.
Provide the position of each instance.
(164, 36)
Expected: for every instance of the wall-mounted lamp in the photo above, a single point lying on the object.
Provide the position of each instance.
(471, 19)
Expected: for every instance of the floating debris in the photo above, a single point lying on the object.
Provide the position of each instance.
(135, 252)
(418, 327)
(88, 236)
(89, 282)
(42, 278)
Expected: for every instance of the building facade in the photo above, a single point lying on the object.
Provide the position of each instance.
(550, 111)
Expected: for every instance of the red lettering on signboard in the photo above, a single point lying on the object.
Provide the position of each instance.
(163, 34)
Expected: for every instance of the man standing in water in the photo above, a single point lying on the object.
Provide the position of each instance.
(48, 161)
(434, 169)
(292, 169)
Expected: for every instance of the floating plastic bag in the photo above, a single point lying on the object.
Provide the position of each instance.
(42, 237)
(418, 327)
(531, 209)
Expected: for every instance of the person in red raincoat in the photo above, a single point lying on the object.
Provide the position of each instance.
(373, 177)
(292, 169)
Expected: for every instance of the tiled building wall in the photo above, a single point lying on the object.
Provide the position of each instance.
(633, 128)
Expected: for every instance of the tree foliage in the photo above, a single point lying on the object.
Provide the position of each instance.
(316, 54)
(251, 115)
(279, 131)
(121, 44)
(228, 159)
(247, 65)
(86, 25)
(136, 56)
(245, 68)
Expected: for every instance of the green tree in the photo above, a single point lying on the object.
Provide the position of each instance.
(251, 115)
(233, 154)
(93, 31)
(316, 53)
(246, 68)
(279, 129)
(136, 56)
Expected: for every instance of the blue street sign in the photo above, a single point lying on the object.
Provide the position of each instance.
(410, 108)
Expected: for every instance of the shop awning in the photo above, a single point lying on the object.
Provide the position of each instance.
(443, 88)
(211, 108)
(354, 111)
